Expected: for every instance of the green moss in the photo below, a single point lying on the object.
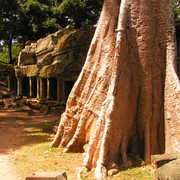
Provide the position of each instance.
(27, 58)
(29, 61)
(32, 70)
(64, 42)
(48, 70)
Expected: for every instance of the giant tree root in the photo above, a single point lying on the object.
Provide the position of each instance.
(120, 102)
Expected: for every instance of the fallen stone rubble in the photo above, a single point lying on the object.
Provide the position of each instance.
(9, 100)
(166, 166)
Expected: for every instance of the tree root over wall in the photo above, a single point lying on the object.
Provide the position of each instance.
(126, 98)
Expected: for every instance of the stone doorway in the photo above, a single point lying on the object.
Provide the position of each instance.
(43, 88)
(25, 86)
(33, 87)
(53, 88)
(68, 87)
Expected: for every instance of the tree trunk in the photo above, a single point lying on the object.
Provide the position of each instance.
(9, 43)
(120, 102)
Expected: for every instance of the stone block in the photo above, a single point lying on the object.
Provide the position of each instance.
(170, 171)
(44, 109)
(7, 102)
(112, 172)
(167, 166)
(27, 58)
(161, 159)
(48, 176)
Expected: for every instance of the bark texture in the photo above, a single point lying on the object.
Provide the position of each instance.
(126, 97)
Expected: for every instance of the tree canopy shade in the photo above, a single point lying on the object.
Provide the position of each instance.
(126, 100)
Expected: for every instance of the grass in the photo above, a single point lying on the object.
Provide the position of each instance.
(39, 157)
(136, 173)
(36, 156)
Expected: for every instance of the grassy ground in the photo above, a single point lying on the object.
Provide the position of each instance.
(36, 156)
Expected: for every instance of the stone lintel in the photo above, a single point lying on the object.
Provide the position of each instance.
(48, 176)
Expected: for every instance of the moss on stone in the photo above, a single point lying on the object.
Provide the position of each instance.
(27, 58)
(32, 71)
(48, 71)
(64, 42)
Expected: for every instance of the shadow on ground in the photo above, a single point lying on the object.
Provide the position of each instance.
(18, 128)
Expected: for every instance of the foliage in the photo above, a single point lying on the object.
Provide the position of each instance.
(16, 48)
(45, 17)
(38, 17)
(177, 10)
(176, 2)
(9, 19)
(10, 23)
(4, 55)
(33, 19)
(80, 12)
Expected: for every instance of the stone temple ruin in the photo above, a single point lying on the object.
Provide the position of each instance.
(48, 68)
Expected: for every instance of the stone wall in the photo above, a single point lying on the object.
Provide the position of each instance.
(51, 65)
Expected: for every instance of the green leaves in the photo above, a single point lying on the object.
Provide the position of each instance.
(16, 48)
(40, 17)
(10, 22)
(33, 19)
(80, 12)
(177, 10)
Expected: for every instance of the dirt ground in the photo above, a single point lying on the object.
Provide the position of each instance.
(12, 124)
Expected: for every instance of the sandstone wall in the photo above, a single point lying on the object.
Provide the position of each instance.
(50, 56)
